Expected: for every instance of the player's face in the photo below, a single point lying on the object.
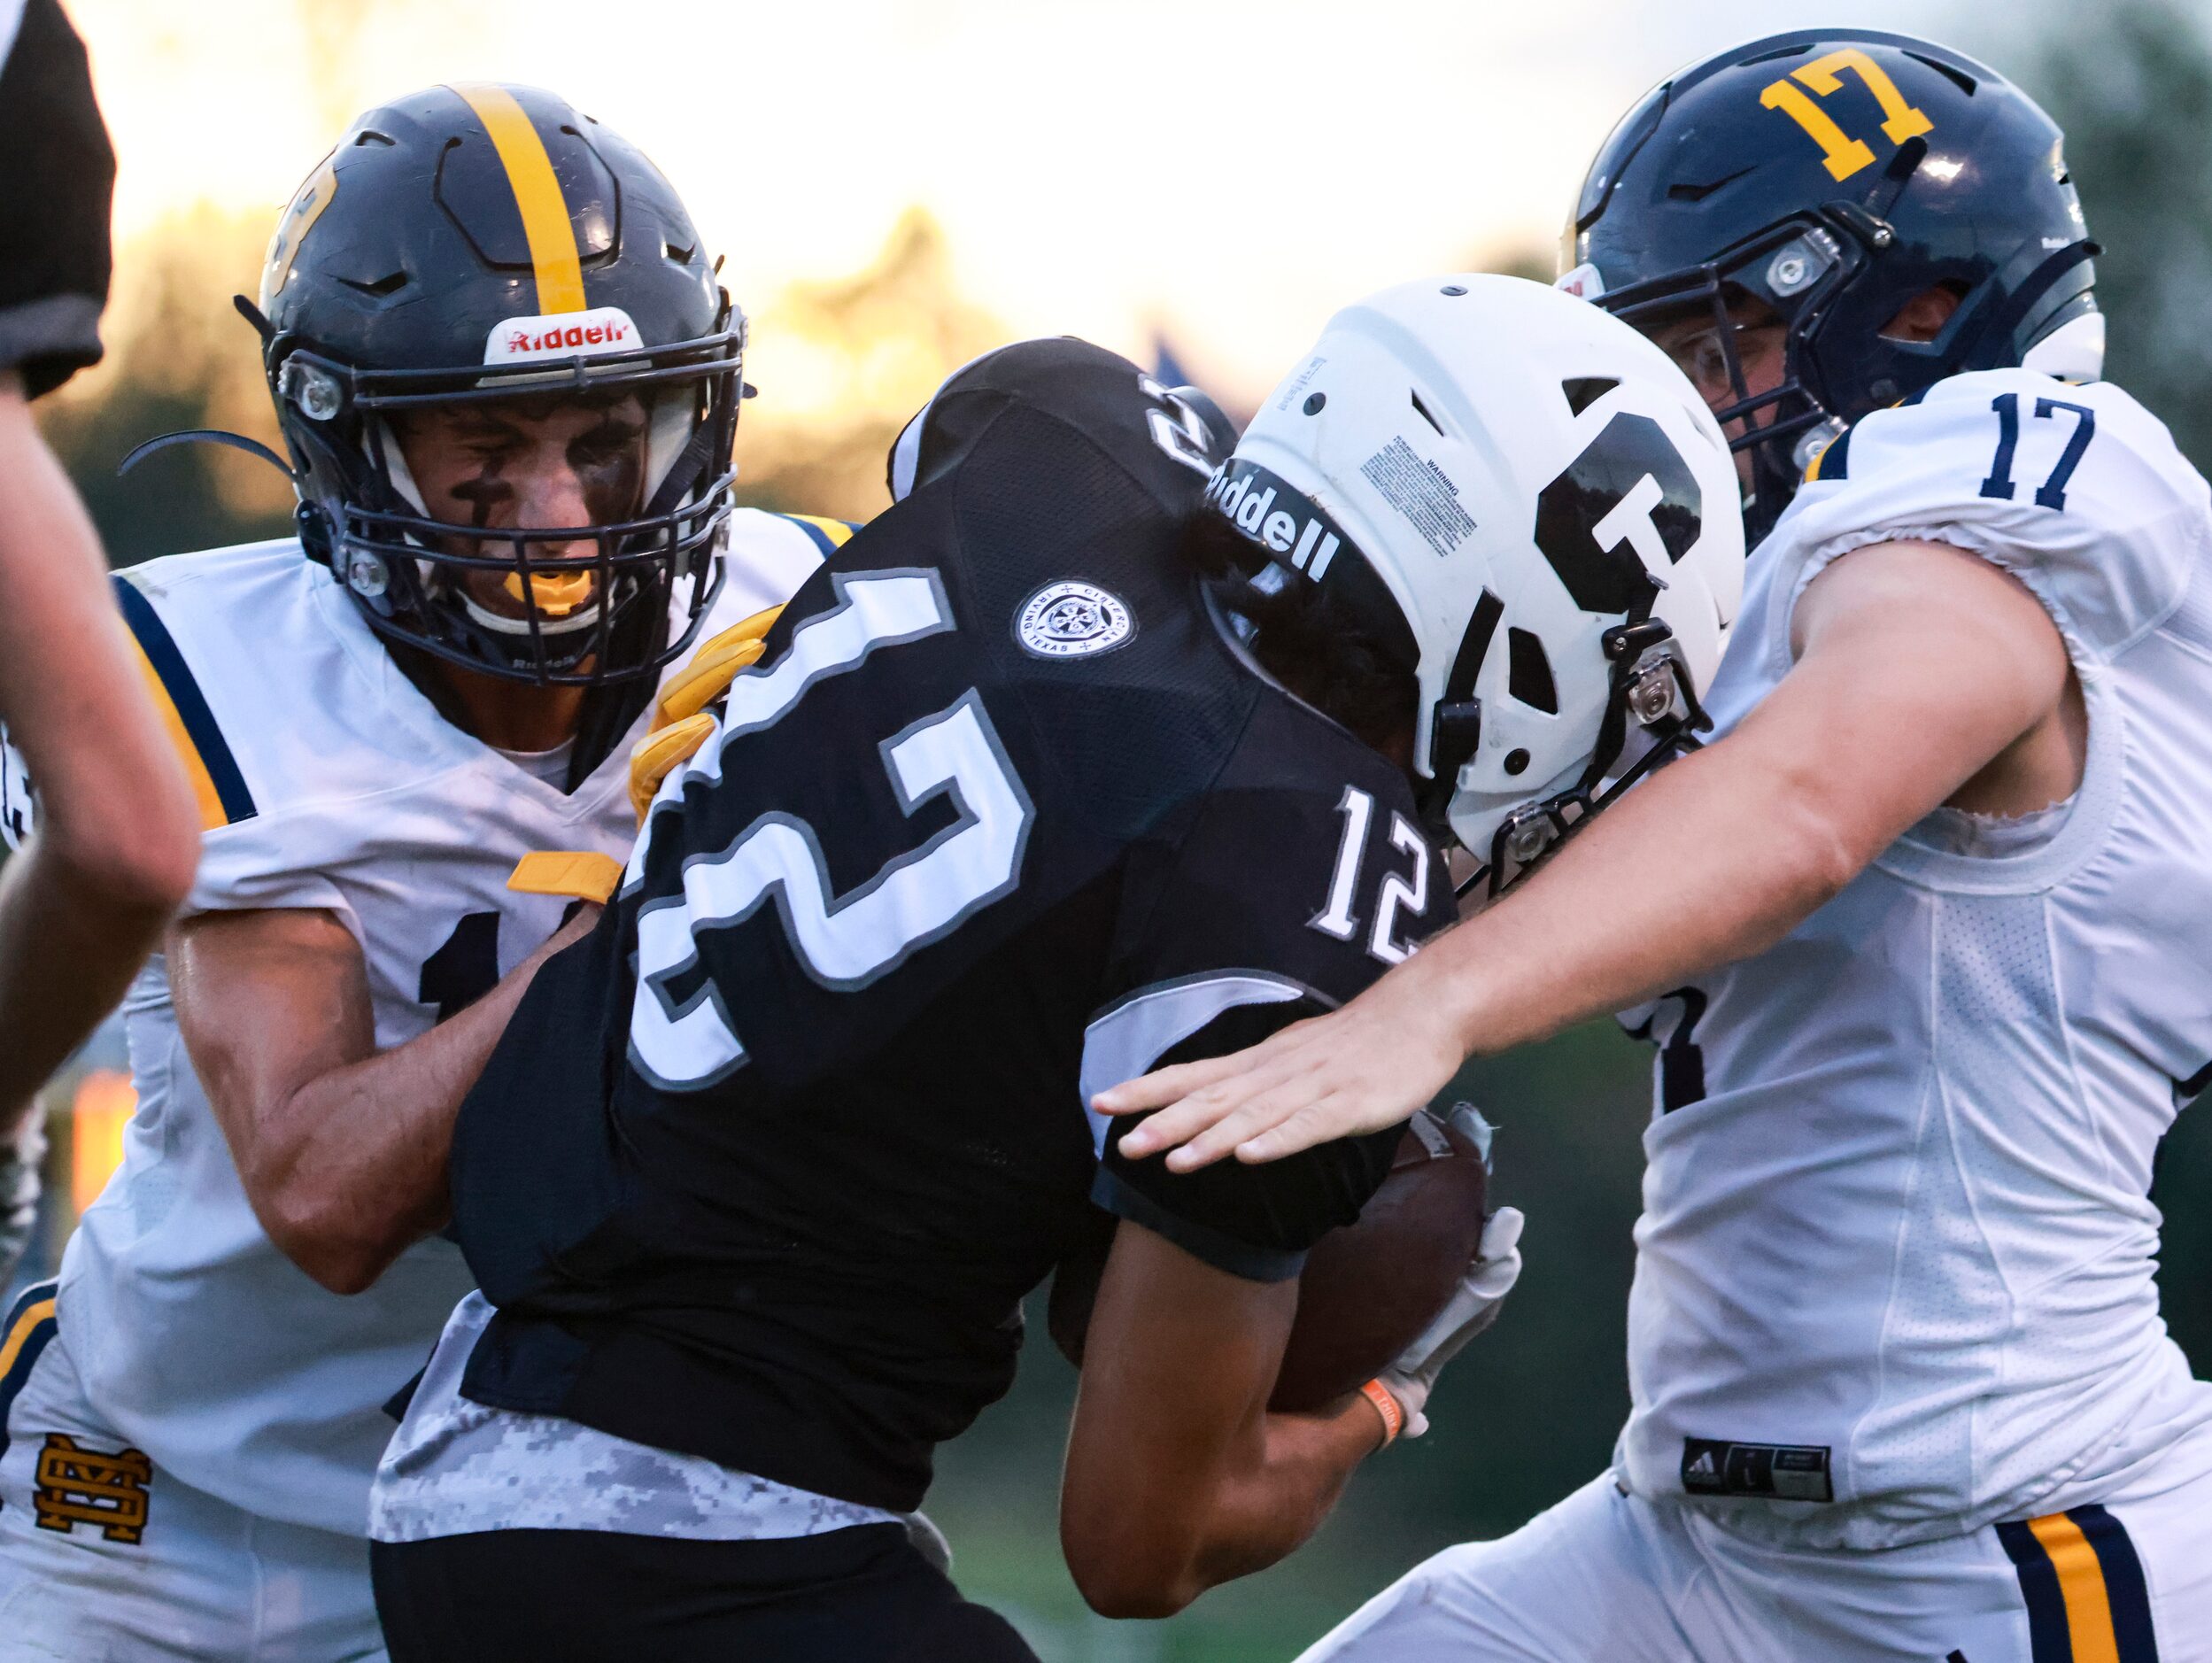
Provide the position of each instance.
(1761, 341)
(1761, 356)
(522, 462)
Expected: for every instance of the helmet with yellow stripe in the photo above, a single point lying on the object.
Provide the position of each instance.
(483, 258)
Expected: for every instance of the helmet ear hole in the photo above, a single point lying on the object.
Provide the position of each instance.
(1529, 672)
(1584, 390)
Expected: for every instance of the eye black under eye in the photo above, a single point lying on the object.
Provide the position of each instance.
(610, 439)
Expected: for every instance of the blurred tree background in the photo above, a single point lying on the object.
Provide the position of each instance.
(1530, 1413)
(2135, 105)
(2136, 110)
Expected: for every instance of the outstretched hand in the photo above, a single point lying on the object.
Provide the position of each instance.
(1360, 1069)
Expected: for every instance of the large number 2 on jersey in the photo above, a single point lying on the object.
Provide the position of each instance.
(1178, 429)
(844, 941)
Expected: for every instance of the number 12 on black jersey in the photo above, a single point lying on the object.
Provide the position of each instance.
(1407, 891)
(844, 941)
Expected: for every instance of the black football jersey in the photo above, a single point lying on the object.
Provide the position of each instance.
(764, 1167)
(54, 153)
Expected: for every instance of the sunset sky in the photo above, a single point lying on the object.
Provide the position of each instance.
(1230, 172)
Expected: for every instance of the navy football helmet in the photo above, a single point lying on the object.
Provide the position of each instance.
(1834, 175)
(472, 243)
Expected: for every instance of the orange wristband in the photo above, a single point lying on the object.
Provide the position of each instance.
(1392, 1412)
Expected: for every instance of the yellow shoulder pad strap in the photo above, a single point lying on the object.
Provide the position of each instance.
(585, 873)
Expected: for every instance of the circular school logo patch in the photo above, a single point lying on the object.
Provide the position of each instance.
(1067, 619)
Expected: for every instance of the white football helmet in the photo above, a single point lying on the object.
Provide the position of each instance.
(1532, 504)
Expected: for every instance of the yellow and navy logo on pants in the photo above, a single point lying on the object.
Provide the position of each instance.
(105, 1488)
(71, 1485)
(2083, 1584)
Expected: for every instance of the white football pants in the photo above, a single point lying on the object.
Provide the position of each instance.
(1606, 1577)
(105, 1558)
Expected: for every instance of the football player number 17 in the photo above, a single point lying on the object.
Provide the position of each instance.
(683, 1040)
(1844, 154)
(2052, 492)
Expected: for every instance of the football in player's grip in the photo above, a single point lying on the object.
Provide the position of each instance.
(1394, 1295)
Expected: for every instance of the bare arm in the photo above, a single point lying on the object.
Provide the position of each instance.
(1924, 676)
(118, 834)
(342, 1148)
(1178, 1477)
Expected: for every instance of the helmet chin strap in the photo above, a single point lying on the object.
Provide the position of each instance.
(670, 426)
(400, 479)
(682, 472)
(396, 472)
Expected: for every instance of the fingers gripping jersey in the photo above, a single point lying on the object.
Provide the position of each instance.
(763, 1169)
(325, 780)
(1894, 1273)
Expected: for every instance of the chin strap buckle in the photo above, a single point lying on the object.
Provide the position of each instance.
(1455, 731)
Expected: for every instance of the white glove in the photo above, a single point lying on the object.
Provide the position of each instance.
(929, 1542)
(1470, 1310)
(19, 1159)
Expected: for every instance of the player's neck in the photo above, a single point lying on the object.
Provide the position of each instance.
(511, 715)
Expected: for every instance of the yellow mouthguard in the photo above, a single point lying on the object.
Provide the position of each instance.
(556, 594)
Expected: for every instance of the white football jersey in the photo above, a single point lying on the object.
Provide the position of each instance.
(326, 780)
(1894, 1271)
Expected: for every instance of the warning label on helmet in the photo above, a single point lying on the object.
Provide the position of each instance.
(1422, 491)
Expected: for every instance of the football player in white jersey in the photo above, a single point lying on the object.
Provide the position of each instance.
(1923, 935)
(509, 383)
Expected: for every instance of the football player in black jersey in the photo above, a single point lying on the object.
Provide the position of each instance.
(84, 904)
(1095, 749)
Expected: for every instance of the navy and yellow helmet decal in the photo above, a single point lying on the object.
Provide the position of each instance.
(548, 227)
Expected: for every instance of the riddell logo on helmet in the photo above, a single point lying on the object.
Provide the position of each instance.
(563, 335)
(1277, 516)
(1584, 282)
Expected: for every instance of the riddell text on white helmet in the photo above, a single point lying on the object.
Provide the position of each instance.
(1276, 515)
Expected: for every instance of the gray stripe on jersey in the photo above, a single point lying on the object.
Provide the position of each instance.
(1137, 1030)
